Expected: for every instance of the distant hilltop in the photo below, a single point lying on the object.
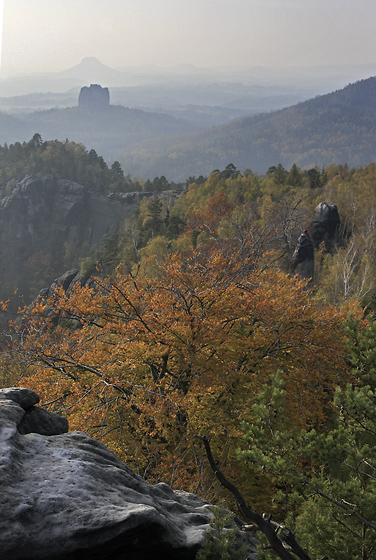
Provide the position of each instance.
(94, 97)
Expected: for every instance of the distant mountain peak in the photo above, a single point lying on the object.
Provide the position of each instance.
(90, 59)
(92, 70)
(91, 63)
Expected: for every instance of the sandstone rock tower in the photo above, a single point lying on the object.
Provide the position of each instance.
(94, 97)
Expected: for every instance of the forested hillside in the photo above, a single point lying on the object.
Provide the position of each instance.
(195, 318)
(68, 160)
(273, 209)
(337, 127)
(105, 130)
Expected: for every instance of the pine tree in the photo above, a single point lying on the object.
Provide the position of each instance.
(327, 476)
(220, 541)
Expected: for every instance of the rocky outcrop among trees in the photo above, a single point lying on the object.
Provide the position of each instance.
(303, 257)
(325, 229)
(66, 496)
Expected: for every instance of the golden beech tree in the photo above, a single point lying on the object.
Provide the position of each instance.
(143, 364)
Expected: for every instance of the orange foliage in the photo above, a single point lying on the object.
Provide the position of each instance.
(209, 218)
(145, 363)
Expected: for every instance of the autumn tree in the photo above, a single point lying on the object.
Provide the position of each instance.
(144, 363)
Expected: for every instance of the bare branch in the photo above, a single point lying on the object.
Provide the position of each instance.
(270, 529)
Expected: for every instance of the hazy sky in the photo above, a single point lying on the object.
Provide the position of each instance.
(45, 35)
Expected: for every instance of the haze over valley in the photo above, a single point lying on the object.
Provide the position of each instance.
(179, 129)
(181, 70)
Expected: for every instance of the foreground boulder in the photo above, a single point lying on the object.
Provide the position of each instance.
(66, 496)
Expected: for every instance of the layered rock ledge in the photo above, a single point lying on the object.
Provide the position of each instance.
(66, 496)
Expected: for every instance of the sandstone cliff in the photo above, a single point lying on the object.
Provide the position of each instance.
(45, 222)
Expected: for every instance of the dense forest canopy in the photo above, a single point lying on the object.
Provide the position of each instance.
(67, 159)
(191, 320)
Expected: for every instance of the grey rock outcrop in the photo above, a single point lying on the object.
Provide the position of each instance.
(67, 282)
(303, 257)
(35, 419)
(64, 496)
(94, 97)
(324, 228)
(325, 225)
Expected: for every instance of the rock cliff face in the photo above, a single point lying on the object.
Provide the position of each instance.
(64, 496)
(45, 221)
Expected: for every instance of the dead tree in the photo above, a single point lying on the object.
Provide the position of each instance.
(280, 538)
